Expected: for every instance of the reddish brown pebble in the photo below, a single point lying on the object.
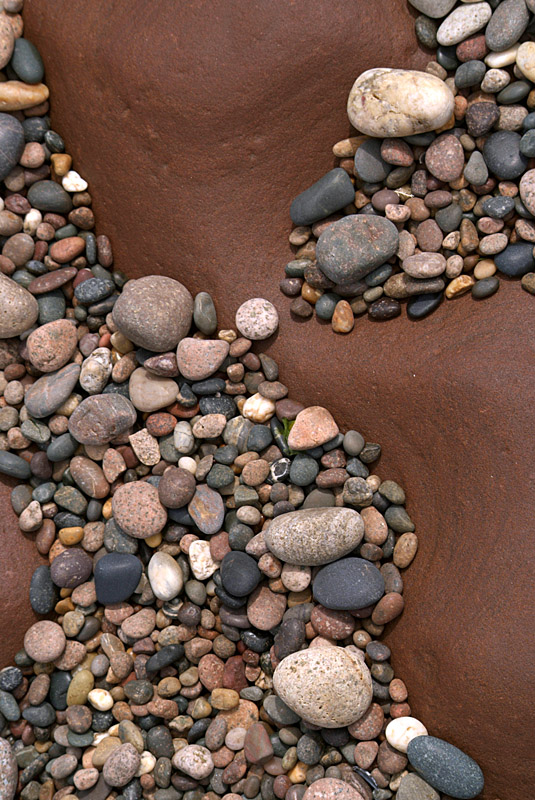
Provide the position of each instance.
(52, 280)
(89, 477)
(332, 624)
(137, 510)
(388, 608)
(160, 424)
(66, 250)
(396, 152)
(44, 641)
(51, 346)
(265, 609)
(176, 487)
(332, 789)
(369, 725)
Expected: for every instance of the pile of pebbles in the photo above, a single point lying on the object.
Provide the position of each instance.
(434, 197)
(220, 560)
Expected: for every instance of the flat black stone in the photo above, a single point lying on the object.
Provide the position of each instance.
(93, 290)
(239, 573)
(469, 74)
(331, 193)
(116, 577)
(49, 196)
(218, 405)
(14, 466)
(27, 62)
(289, 637)
(502, 155)
(485, 287)
(423, 304)
(42, 590)
(348, 584)
(41, 715)
(167, 655)
(11, 143)
(446, 768)
(516, 259)
(209, 386)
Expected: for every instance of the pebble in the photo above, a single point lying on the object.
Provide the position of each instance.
(369, 165)
(116, 577)
(525, 59)
(11, 131)
(257, 319)
(137, 510)
(19, 309)
(48, 393)
(331, 193)
(399, 732)
(515, 260)
(239, 573)
(445, 158)
(527, 190)
(51, 346)
(207, 510)
(331, 789)
(204, 313)
(71, 568)
(176, 487)
(203, 565)
(462, 22)
(42, 590)
(165, 302)
(49, 196)
(433, 8)
(165, 576)
(27, 62)
(299, 537)
(194, 760)
(14, 466)
(313, 426)
(8, 771)
(502, 155)
(101, 418)
(151, 392)
(445, 767)
(44, 641)
(412, 787)
(265, 608)
(350, 583)
(507, 24)
(352, 247)
(424, 265)
(326, 686)
(121, 765)
(397, 102)
(197, 359)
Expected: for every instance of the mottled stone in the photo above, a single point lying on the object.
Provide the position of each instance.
(352, 247)
(48, 393)
(207, 509)
(44, 641)
(257, 319)
(445, 767)
(8, 771)
(313, 536)
(100, 418)
(195, 760)
(312, 427)
(51, 346)
(137, 510)
(121, 765)
(197, 359)
(18, 308)
(350, 583)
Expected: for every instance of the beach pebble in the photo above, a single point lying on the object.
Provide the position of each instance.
(18, 308)
(165, 576)
(116, 577)
(332, 789)
(8, 771)
(154, 312)
(463, 22)
(137, 510)
(44, 641)
(203, 565)
(399, 732)
(313, 536)
(352, 247)
(326, 686)
(507, 24)
(11, 131)
(50, 346)
(412, 787)
(197, 359)
(150, 392)
(445, 767)
(329, 194)
(207, 510)
(101, 418)
(257, 319)
(313, 426)
(48, 393)
(397, 102)
(433, 8)
(121, 765)
(350, 583)
(194, 760)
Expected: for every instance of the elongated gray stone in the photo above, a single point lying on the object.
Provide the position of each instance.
(331, 193)
(47, 393)
(314, 536)
(445, 767)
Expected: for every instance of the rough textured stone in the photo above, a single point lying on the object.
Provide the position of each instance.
(349, 583)
(445, 767)
(197, 359)
(314, 535)
(49, 392)
(100, 418)
(137, 510)
(313, 426)
(355, 245)
(51, 345)
(18, 308)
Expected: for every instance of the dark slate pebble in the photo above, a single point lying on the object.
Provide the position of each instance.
(64, 519)
(303, 470)
(229, 599)
(446, 768)
(397, 518)
(423, 304)
(52, 306)
(485, 287)
(49, 196)
(515, 260)
(11, 143)
(426, 31)
(116, 577)
(61, 448)
(10, 678)
(164, 657)
(352, 247)
(239, 573)
(259, 438)
(70, 498)
(447, 58)
(71, 568)
(469, 74)
(209, 386)
(502, 155)
(55, 144)
(14, 466)
(369, 166)
(35, 128)
(309, 749)
(27, 62)
(348, 584)
(93, 289)
(217, 405)
(448, 219)
(507, 24)
(9, 707)
(226, 454)
(80, 739)
(384, 308)
(498, 207)
(59, 685)
(513, 93)
(331, 193)
(42, 590)
(41, 715)
(289, 638)
(527, 142)
(257, 641)
(279, 711)
(160, 742)
(219, 476)
(239, 536)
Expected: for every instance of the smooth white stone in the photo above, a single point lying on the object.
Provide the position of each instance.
(202, 564)
(165, 576)
(258, 409)
(503, 59)
(525, 59)
(399, 732)
(73, 182)
(463, 22)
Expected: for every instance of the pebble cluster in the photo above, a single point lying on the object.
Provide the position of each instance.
(220, 560)
(435, 196)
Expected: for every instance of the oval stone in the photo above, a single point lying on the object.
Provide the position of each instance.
(11, 143)
(502, 155)
(348, 584)
(18, 308)
(42, 591)
(239, 573)
(313, 536)
(424, 265)
(154, 312)
(445, 767)
(27, 62)
(100, 418)
(331, 789)
(326, 686)
(89, 477)
(398, 102)
(353, 246)
(207, 510)
(151, 392)
(137, 510)
(116, 577)
(71, 568)
(14, 466)
(463, 22)
(49, 196)
(51, 345)
(515, 260)
(48, 393)
(507, 24)
(165, 576)
(331, 193)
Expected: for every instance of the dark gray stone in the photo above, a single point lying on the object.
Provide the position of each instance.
(116, 577)
(239, 573)
(507, 24)
(502, 155)
(14, 466)
(423, 304)
(93, 290)
(469, 74)
(42, 590)
(11, 143)
(485, 287)
(348, 584)
(369, 166)
(527, 143)
(445, 767)
(514, 93)
(515, 260)
(49, 196)
(47, 393)
(303, 470)
(354, 246)
(41, 715)
(498, 207)
(165, 656)
(27, 62)
(331, 193)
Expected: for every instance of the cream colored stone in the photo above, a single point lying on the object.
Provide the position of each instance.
(186, 462)
(15, 95)
(202, 564)
(258, 409)
(398, 102)
(147, 763)
(165, 576)
(495, 80)
(101, 699)
(96, 369)
(145, 446)
(330, 686)
(459, 286)
(32, 220)
(463, 22)
(525, 59)
(73, 182)
(151, 392)
(399, 732)
(18, 308)
(502, 59)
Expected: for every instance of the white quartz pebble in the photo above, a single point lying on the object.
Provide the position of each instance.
(463, 22)
(503, 59)
(399, 732)
(73, 182)
(165, 576)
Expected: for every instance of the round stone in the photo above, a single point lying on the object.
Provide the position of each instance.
(207, 510)
(349, 584)
(352, 247)
(116, 577)
(137, 510)
(444, 158)
(44, 641)
(445, 767)
(11, 133)
(18, 308)
(397, 102)
(197, 359)
(515, 260)
(154, 312)
(71, 568)
(101, 418)
(399, 732)
(470, 73)
(121, 765)
(369, 166)
(239, 573)
(176, 487)
(326, 686)
(502, 155)
(165, 576)
(313, 536)
(150, 392)
(49, 196)
(313, 426)
(51, 346)
(194, 760)
(257, 319)
(414, 788)
(331, 789)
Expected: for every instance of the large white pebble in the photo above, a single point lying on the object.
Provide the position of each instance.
(73, 182)
(399, 732)
(525, 58)
(503, 58)
(463, 22)
(195, 760)
(398, 102)
(100, 699)
(165, 576)
(202, 564)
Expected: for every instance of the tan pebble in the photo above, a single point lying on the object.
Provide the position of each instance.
(459, 286)
(346, 148)
(146, 447)
(484, 269)
(343, 320)
(405, 549)
(15, 95)
(224, 699)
